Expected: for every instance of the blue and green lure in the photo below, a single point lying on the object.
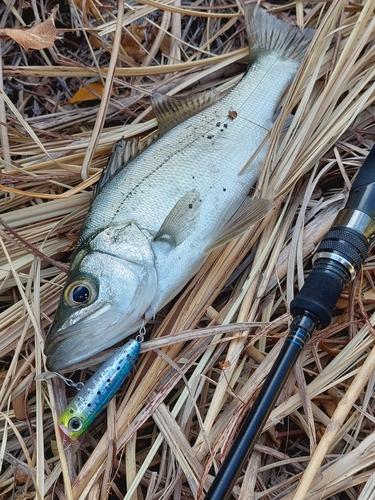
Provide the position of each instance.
(96, 393)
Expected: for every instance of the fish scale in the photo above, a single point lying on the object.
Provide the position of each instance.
(154, 221)
(169, 175)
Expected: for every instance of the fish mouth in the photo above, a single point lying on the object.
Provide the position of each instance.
(68, 346)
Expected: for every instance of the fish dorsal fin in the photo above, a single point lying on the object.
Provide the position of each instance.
(170, 111)
(249, 212)
(122, 152)
(181, 220)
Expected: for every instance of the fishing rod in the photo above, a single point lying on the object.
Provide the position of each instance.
(337, 261)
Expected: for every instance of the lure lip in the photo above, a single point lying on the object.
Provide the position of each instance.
(66, 431)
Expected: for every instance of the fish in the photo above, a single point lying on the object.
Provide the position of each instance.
(154, 220)
(96, 393)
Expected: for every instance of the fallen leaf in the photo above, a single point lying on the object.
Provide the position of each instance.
(21, 477)
(86, 6)
(132, 41)
(343, 302)
(19, 406)
(165, 46)
(95, 41)
(92, 6)
(328, 350)
(225, 364)
(88, 93)
(39, 36)
(329, 407)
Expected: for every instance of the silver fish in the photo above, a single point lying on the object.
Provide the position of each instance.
(153, 223)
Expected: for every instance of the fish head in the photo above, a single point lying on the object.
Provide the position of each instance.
(110, 286)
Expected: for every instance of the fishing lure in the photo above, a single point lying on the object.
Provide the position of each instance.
(96, 393)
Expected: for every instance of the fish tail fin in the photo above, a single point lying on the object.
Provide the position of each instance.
(266, 32)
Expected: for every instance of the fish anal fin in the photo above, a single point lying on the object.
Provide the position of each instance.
(249, 212)
(181, 220)
(171, 111)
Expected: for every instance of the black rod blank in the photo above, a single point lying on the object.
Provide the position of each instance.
(254, 422)
(338, 259)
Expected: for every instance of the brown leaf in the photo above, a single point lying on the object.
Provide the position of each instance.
(93, 6)
(87, 6)
(329, 407)
(132, 41)
(95, 41)
(19, 406)
(40, 36)
(225, 364)
(165, 45)
(21, 477)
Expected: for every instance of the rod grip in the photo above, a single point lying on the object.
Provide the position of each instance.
(321, 291)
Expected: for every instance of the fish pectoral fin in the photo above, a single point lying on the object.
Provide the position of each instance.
(249, 212)
(170, 111)
(122, 152)
(181, 220)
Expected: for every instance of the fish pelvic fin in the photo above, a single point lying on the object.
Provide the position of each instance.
(266, 32)
(171, 111)
(250, 211)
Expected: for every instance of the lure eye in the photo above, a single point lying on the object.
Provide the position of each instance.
(80, 293)
(75, 424)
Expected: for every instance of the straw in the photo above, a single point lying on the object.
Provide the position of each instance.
(208, 352)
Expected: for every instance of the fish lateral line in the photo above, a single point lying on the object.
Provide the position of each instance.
(252, 122)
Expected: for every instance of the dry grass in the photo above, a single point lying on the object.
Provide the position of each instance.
(173, 421)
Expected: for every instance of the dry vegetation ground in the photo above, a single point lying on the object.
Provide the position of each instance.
(173, 421)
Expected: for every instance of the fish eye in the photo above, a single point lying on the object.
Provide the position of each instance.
(75, 424)
(80, 293)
